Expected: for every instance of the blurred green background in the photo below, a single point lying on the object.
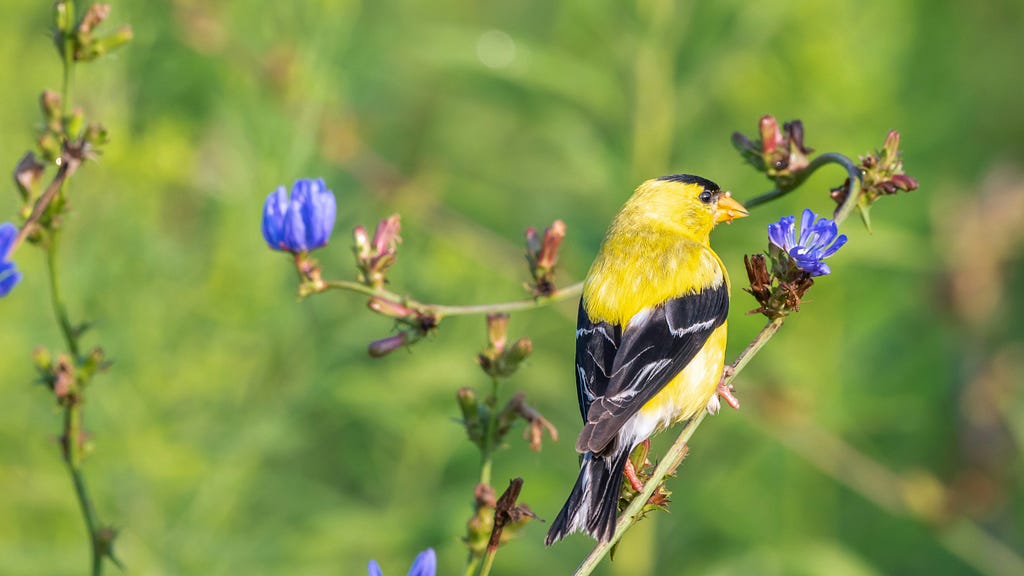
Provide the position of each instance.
(243, 432)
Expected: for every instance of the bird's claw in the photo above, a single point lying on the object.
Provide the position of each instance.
(725, 392)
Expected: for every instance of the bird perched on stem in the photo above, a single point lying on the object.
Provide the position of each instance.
(650, 338)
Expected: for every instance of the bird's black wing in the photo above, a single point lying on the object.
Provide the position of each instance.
(596, 346)
(655, 346)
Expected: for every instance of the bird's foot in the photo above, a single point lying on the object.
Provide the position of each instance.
(725, 392)
(630, 472)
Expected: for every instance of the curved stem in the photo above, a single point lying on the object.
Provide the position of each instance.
(852, 172)
(672, 458)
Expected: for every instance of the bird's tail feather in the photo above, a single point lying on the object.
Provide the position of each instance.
(593, 502)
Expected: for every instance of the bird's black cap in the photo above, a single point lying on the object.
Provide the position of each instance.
(691, 179)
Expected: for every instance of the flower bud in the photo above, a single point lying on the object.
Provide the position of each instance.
(497, 326)
(27, 175)
(95, 15)
(385, 238)
(96, 135)
(302, 221)
(542, 256)
(471, 419)
(385, 346)
(387, 307)
(99, 47)
(375, 258)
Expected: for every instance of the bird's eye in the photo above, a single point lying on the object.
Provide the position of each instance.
(705, 197)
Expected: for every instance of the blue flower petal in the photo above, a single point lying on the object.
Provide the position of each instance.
(839, 243)
(780, 232)
(302, 222)
(806, 223)
(8, 232)
(374, 569)
(274, 210)
(425, 564)
(9, 278)
(318, 214)
(818, 239)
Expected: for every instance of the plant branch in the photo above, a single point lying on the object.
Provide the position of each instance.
(442, 310)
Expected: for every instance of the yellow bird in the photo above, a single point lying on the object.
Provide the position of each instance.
(650, 338)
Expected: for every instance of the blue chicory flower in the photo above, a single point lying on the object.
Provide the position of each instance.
(819, 238)
(9, 275)
(302, 222)
(424, 565)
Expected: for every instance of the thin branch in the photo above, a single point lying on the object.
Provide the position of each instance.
(442, 310)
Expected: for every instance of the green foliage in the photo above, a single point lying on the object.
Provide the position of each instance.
(241, 432)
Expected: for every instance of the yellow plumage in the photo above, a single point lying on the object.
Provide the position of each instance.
(651, 335)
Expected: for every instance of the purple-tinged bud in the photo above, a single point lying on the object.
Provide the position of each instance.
(389, 308)
(904, 182)
(375, 258)
(385, 346)
(386, 238)
(892, 143)
(771, 137)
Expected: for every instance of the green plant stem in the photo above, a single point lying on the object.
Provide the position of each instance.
(60, 311)
(73, 459)
(490, 443)
(73, 434)
(677, 451)
(485, 569)
(673, 457)
(441, 310)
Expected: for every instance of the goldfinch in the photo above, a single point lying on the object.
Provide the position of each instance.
(650, 338)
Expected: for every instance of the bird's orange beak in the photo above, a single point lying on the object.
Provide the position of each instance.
(729, 209)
